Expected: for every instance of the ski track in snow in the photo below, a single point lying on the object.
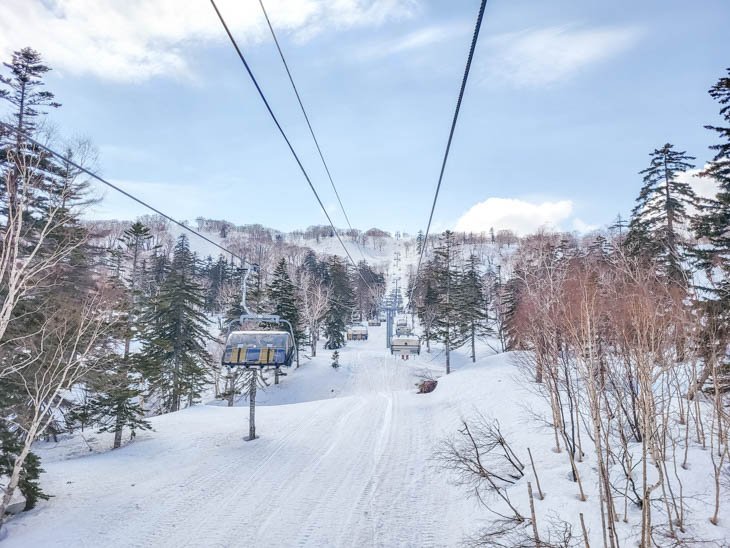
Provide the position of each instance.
(351, 470)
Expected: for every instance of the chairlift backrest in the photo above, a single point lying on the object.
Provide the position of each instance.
(357, 333)
(405, 345)
(258, 349)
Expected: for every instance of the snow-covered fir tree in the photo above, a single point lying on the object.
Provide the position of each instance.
(340, 306)
(662, 212)
(283, 299)
(473, 313)
(447, 277)
(115, 399)
(427, 300)
(713, 227)
(174, 356)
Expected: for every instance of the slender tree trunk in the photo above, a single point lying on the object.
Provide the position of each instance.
(231, 386)
(448, 356)
(315, 339)
(533, 518)
(118, 429)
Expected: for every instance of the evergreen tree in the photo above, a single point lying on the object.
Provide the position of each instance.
(134, 240)
(340, 307)
(256, 292)
(419, 242)
(311, 265)
(470, 295)
(619, 227)
(497, 303)
(662, 210)
(511, 293)
(218, 275)
(23, 89)
(369, 287)
(11, 443)
(115, 401)
(284, 300)
(159, 268)
(427, 304)
(713, 225)
(446, 275)
(234, 308)
(174, 354)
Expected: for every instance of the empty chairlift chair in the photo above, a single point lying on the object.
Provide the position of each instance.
(357, 333)
(401, 327)
(259, 349)
(405, 346)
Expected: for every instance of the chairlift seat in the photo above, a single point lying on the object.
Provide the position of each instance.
(403, 346)
(258, 348)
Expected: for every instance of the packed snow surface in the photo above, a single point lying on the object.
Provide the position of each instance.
(344, 458)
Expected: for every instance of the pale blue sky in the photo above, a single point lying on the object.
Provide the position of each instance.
(566, 100)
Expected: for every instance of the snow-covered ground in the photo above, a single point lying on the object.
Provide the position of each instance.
(344, 458)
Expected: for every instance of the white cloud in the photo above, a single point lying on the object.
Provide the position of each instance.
(579, 225)
(542, 57)
(421, 38)
(134, 40)
(704, 187)
(520, 216)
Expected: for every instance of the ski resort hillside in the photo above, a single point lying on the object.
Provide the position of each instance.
(346, 457)
(316, 273)
(351, 455)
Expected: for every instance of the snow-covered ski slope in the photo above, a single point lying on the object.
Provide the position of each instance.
(344, 458)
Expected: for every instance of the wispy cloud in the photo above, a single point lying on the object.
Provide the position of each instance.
(544, 57)
(137, 39)
(418, 39)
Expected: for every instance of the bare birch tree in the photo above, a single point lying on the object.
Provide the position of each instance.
(314, 303)
(26, 258)
(63, 353)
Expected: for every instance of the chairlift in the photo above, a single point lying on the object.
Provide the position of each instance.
(259, 347)
(357, 333)
(405, 346)
(374, 322)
